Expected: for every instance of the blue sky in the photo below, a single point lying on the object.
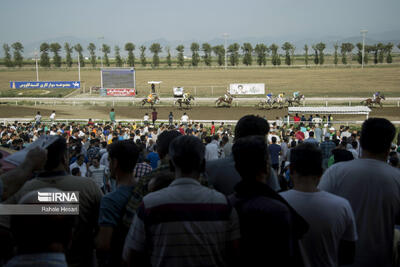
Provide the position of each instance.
(139, 21)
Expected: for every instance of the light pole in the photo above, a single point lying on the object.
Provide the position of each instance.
(225, 37)
(37, 69)
(363, 32)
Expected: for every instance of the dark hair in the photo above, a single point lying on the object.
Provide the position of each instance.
(377, 135)
(251, 156)
(164, 140)
(207, 139)
(273, 139)
(394, 161)
(306, 159)
(55, 153)
(340, 155)
(75, 171)
(251, 125)
(126, 153)
(187, 153)
(354, 144)
(311, 134)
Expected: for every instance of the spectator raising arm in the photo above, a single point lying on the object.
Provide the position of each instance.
(13, 180)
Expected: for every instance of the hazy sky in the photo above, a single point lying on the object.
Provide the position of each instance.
(122, 20)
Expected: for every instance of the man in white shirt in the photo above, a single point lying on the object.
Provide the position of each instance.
(330, 240)
(97, 172)
(146, 119)
(211, 151)
(185, 119)
(373, 189)
(53, 117)
(80, 163)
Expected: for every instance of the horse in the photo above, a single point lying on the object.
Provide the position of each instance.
(187, 102)
(296, 100)
(264, 103)
(280, 102)
(152, 102)
(369, 102)
(221, 100)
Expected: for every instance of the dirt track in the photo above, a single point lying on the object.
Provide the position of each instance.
(196, 113)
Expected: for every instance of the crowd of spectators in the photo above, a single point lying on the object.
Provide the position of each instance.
(262, 193)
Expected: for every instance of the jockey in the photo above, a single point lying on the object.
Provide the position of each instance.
(280, 97)
(185, 96)
(296, 94)
(227, 95)
(376, 95)
(150, 98)
(269, 97)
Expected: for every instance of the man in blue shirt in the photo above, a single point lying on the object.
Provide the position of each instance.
(274, 151)
(110, 239)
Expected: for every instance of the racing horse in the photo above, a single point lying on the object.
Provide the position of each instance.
(264, 103)
(295, 100)
(221, 100)
(152, 102)
(281, 102)
(187, 101)
(369, 102)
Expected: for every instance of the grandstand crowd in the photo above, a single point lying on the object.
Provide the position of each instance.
(286, 192)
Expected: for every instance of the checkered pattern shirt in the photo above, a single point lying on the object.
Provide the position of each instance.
(141, 169)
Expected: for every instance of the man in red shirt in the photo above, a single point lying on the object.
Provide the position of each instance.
(296, 118)
(212, 128)
(299, 135)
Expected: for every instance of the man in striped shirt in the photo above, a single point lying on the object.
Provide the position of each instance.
(185, 224)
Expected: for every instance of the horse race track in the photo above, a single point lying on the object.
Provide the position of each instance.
(196, 113)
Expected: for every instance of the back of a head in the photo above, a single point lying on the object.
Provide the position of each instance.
(340, 155)
(126, 153)
(311, 134)
(251, 156)
(187, 154)
(273, 139)
(251, 125)
(164, 140)
(377, 135)
(55, 154)
(306, 160)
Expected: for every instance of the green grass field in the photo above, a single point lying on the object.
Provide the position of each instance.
(312, 81)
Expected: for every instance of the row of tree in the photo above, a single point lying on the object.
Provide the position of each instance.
(379, 51)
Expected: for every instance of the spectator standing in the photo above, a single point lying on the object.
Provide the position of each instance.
(284, 152)
(331, 219)
(311, 139)
(373, 189)
(146, 119)
(221, 173)
(81, 249)
(185, 119)
(165, 233)
(211, 150)
(170, 118)
(318, 133)
(270, 228)
(153, 157)
(52, 117)
(326, 147)
(212, 132)
(97, 172)
(274, 152)
(80, 163)
(154, 116)
(38, 118)
(112, 232)
(112, 116)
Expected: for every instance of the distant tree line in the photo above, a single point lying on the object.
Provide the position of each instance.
(202, 53)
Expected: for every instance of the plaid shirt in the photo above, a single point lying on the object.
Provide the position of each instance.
(326, 148)
(141, 169)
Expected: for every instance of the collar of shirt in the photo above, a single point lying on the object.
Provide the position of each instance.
(184, 181)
